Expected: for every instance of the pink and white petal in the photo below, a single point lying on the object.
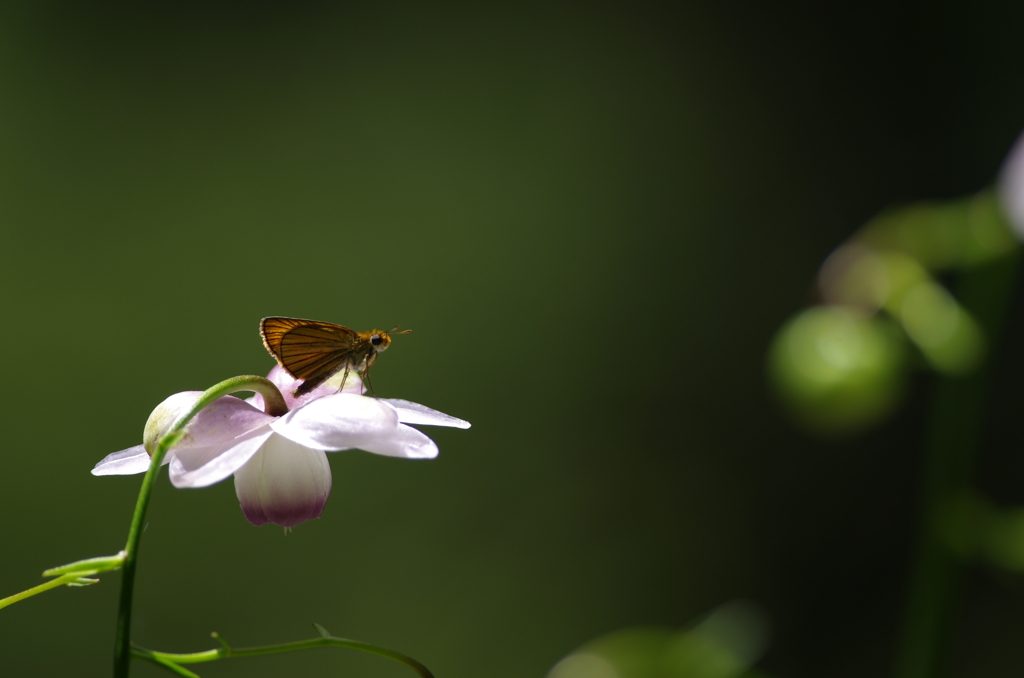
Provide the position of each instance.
(339, 422)
(222, 420)
(204, 466)
(284, 483)
(405, 442)
(414, 413)
(353, 383)
(165, 414)
(286, 383)
(124, 463)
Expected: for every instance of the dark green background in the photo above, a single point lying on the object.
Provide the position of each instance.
(593, 218)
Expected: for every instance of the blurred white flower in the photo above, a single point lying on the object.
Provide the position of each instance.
(1011, 187)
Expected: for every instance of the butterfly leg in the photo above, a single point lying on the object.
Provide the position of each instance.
(366, 378)
(366, 373)
(344, 379)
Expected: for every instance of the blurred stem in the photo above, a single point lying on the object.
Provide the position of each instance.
(174, 660)
(957, 414)
(275, 405)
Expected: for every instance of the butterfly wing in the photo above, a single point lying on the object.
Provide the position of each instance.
(273, 329)
(308, 349)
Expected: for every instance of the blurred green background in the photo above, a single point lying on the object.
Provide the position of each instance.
(594, 218)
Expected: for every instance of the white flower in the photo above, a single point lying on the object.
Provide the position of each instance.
(279, 463)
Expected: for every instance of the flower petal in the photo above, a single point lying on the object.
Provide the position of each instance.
(164, 415)
(339, 422)
(286, 383)
(124, 463)
(222, 420)
(284, 483)
(414, 413)
(203, 466)
(405, 442)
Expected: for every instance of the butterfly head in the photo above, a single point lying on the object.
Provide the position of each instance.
(380, 340)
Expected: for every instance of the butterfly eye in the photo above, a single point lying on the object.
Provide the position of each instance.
(376, 340)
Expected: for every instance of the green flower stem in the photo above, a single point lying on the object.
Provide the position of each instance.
(275, 405)
(172, 661)
(73, 579)
(957, 420)
(72, 574)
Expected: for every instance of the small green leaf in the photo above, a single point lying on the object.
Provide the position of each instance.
(321, 630)
(82, 581)
(89, 566)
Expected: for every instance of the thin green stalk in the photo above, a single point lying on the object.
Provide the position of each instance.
(957, 420)
(72, 574)
(74, 579)
(172, 660)
(275, 406)
(170, 666)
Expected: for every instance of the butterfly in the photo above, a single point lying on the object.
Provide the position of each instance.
(315, 351)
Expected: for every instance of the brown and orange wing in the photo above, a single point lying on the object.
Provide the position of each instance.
(272, 329)
(308, 349)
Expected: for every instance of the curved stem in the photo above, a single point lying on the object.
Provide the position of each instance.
(170, 666)
(74, 579)
(275, 405)
(957, 418)
(169, 659)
